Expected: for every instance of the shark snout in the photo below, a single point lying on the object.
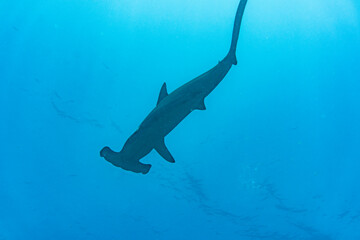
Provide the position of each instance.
(104, 151)
(119, 160)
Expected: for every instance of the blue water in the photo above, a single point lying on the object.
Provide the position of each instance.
(276, 155)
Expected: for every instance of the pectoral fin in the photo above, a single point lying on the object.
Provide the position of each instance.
(164, 152)
(201, 105)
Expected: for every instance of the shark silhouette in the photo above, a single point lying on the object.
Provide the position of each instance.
(170, 110)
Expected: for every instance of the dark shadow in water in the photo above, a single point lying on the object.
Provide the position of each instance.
(349, 215)
(192, 190)
(285, 208)
(255, 233)
(311, 232)
(343, 214)
(271, 192)
(63, 114)
(116, 126)
(57, 100)
(355, 218)
(105, 66)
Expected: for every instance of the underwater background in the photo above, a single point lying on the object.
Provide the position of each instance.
(276, 155)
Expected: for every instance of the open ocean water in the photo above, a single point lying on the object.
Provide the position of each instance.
(275, 156)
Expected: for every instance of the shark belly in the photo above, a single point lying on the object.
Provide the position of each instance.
(165, 117)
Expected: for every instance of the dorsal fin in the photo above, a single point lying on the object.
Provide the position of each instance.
(163, 93)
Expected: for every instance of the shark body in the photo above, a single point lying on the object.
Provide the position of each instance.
(170, 110)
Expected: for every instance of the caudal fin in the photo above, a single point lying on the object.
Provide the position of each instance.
(236, 30)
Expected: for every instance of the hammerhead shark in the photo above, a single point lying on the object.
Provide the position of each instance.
(170, 110)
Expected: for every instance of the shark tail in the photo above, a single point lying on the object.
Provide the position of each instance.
(236, 30)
